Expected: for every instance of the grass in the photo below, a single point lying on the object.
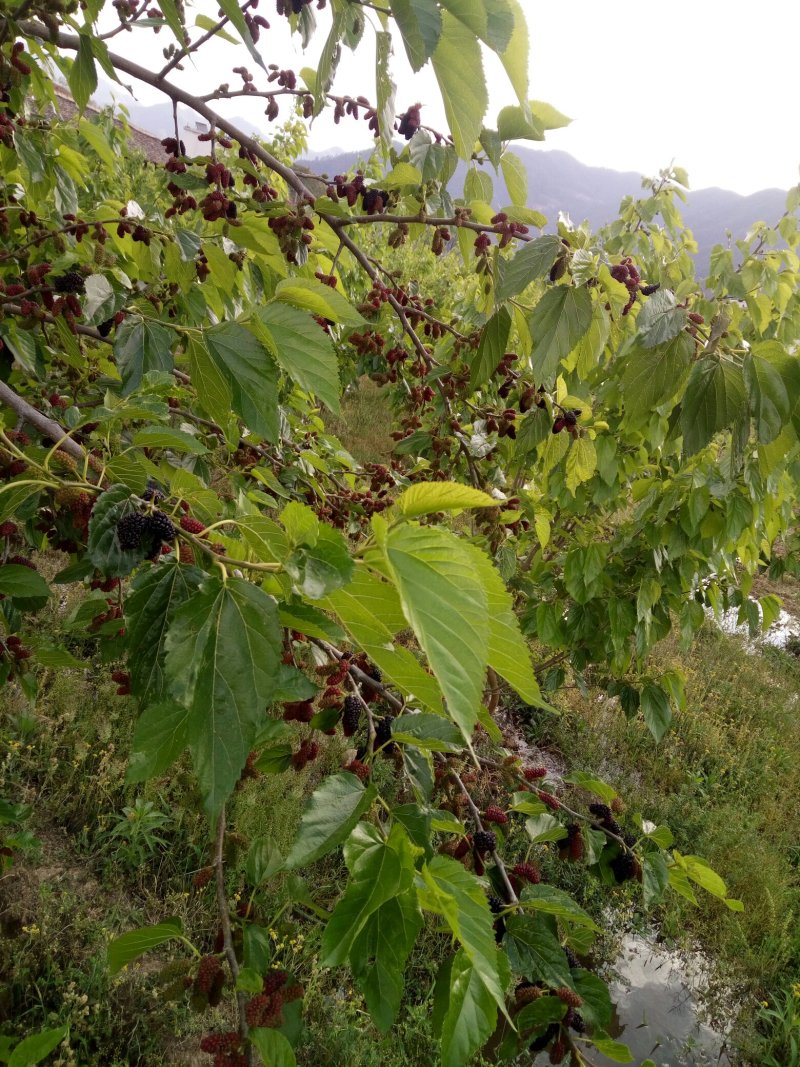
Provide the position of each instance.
(363, 426)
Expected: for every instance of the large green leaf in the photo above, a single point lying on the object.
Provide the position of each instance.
(320, 567)
(420, 25)
(301, 346)
(557, 323)
(458, 66)
(770, 402)
(553, 901)
(311, 295)
(379, 954)
(532, 261)
(33, 1049)
(370, 610)
(447, 889)
(593, 991)
(516, 178)
(515, 55)
(471, 1014)
(223, 652)
(508, 651)
(446, 605)
(17, 580)
(250, 373)
(379, 871)
(535, 951)
(714, 399)
(273, 1047)
(161, 734)
(213, 390)
(494, 338)
(330, 814)
(660, 319)
(423, 498)
(656, 709)
(652, 376)
(140, 346)
(82, 73)
(154, 596)
(128, 947)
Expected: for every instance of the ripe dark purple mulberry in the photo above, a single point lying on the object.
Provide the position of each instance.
(484, 841)
(383, 735)
(624, 867)
(351, 716)
(160, 527)
(70, 282)
(130, 529)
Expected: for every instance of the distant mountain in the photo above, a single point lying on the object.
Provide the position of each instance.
(558, 182)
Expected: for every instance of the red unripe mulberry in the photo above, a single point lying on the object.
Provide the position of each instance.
(495, 814)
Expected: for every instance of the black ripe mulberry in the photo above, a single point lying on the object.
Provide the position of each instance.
(351, 716)
(130, 529)
(496, 904)
(484, 841)
(607, 820)
(71, 282)
(160, 527)
(409, 122)
(624, 866)
(383, 735)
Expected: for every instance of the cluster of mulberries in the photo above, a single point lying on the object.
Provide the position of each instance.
(208, 970)
(136, 530)
(8, 529)
(351, 715)
(123, 680)
(12, 647)
(495, 814)
(226, 1048)
(606, 820)
(625, 866)
(527, 872)
(308, 751)
(484, 841)
(359, 769)
(572, 846)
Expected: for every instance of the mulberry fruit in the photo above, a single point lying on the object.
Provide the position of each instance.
(203, 877)
(351, 716)
(484, 841)
(607, 820)
(410, 122)
(575, 843)
(532, 773)
(383, 736)
(558, 1050)
(569, 996)
(359, 769)
(496, 904)
(209, 968)
(8, 529)
(624, 867)
(227, 1042)
(527, 872)
(273, 981)
(160, 526)
(495, 814)
(572, 959)
(577, 1023)
(22, 561)
(70, 282)
(130, 529)
(547, 798)
(190, 525)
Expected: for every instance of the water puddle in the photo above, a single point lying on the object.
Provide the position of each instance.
(656, 996)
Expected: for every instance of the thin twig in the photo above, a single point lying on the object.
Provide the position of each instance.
(227, 938)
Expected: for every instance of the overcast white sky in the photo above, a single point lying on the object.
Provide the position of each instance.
(712, 84)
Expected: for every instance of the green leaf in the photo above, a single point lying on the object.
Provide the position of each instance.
(19, 581)
(660, 319)
(426, 497)
(516, 178)
(273, 1047)
(169, 437)
(515, 55)
(154, 596)
(173, 18)
(82, 73)
(655, 878)
(471, 1015)
(656, 709)
(508, 651)
(581, 463)
(302, 348)
(769, 397)
(492, 347)
(446, 889)
(263, 860)
(141, 346)
(430, 732)
(211, 384)
(613, 1050)
(380, 952)
(552, 901)
(597, 1008)
(322, 567)
(652, 376)
(384, 88)
(371, 612)
(379, 871)
(557, 323)
(311, 295)
(592, 785)
(251, 376)
(437, 585)
(547, 116)
(714, 399)
(128, 947)
(234, 13)
(458, 66)
(161, 735)
(420, 25)
(544, 828)
(540, 1013)
(329, 816)
(532, 261)
(517, 123)
(535, 951)
(223, 651)
(33, 1049)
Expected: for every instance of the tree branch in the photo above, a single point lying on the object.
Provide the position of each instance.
(57, 434)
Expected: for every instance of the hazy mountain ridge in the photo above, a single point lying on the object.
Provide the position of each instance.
(556, 182)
